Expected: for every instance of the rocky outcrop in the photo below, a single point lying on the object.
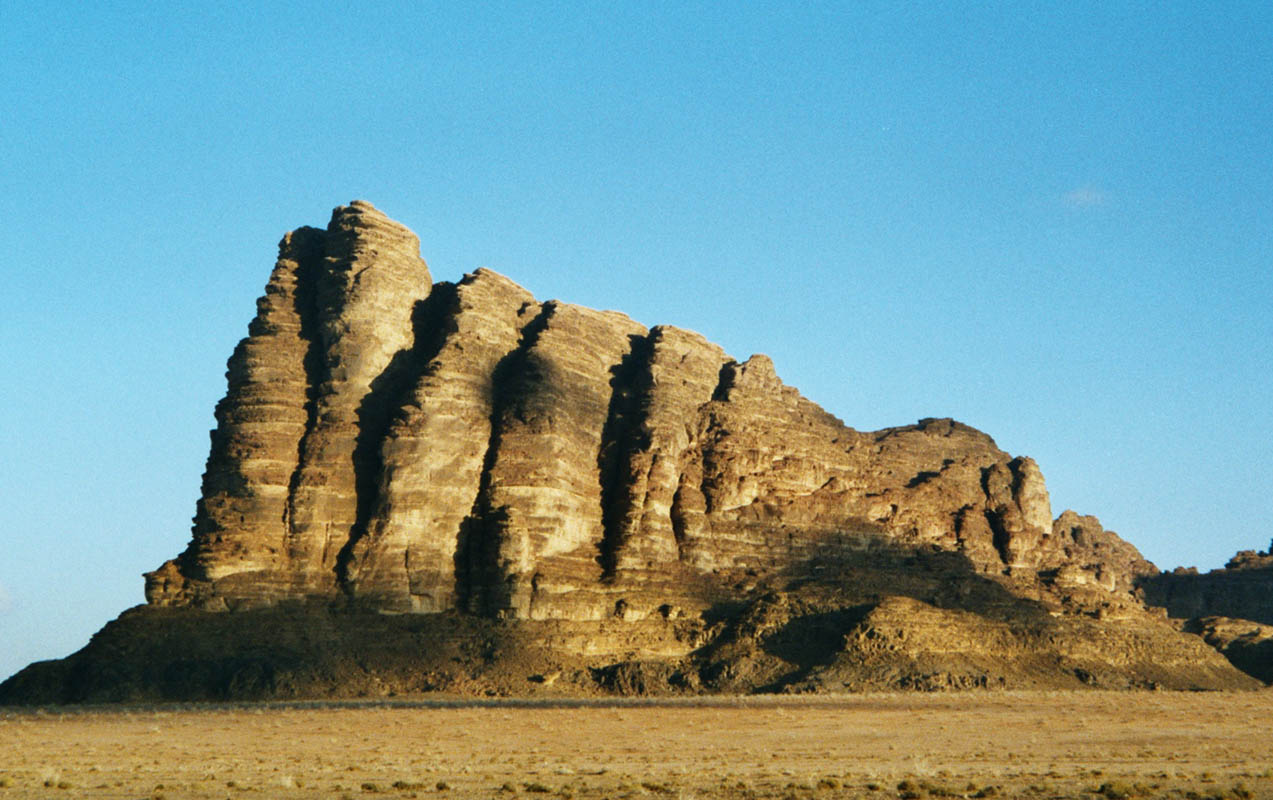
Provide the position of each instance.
(290, 476)
(630, 495)
(1248, 645)
(1242, 589)
(417, 448)
(433, 457)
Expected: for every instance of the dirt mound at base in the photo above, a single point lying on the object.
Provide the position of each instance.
(809, 639)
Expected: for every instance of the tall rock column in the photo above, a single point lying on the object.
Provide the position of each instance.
(681, 372)
(434, 453)
(294, 455)
(371, 282)
(1019, 511)
(541, 509)
(236, 554)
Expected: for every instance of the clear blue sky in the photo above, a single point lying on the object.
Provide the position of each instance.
(1050, 221)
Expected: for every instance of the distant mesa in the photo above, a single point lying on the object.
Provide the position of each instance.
(418, 486)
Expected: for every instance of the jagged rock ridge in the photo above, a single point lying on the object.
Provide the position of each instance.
(423, 448)
(537, 483)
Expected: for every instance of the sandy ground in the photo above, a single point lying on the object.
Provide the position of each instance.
(883, 746)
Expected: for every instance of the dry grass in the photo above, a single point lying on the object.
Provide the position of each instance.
(1034, 745)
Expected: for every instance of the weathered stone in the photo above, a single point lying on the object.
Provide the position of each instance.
(653, 430)
(539, 519)
(572, 483)
(475, 449)
(289, 477)
(432, 457)
(1248, 645)
(1243, 589)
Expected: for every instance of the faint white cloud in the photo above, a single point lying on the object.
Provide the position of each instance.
(1084, 197)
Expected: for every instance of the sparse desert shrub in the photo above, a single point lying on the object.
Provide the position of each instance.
(407, 786)
(368, 786)
(442, 786)
(536, 787)
(986, 791)
(657, 788)
(1117, 790)
(1241, 792)
(909, 790)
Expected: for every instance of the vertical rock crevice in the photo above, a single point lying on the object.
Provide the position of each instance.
(313, 363)
(382, 406)
(625, 432)
(477, 570)
(544, 480)
(236, 555)
(367, 293)
(432, 452)
(678, 376)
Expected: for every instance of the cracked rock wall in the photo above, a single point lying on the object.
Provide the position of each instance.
(413, 447)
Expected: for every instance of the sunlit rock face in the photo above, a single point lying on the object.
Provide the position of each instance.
(416, 447)
(418, 487)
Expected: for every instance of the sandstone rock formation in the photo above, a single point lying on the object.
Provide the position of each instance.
(420, 448)
(462, 451)
(296, 444)
(1248, 645)
(1242, 589)
(1230, 608)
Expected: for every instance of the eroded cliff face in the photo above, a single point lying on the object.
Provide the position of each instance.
(418, 487)
(1243, 589)
(414, 447)
(289, 482)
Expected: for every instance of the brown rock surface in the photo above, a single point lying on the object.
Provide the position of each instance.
(465, 452)
(1248, 645)
(289, 478)
(1242, 589)
(1231, 608)
(433, 454)
(475, 449)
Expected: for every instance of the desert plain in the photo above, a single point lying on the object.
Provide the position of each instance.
(975, 744)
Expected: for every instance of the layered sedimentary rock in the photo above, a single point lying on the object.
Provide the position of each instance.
(290, 475)
(1242, 589)
(631, 504)
(421, 448)
(433, 457)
